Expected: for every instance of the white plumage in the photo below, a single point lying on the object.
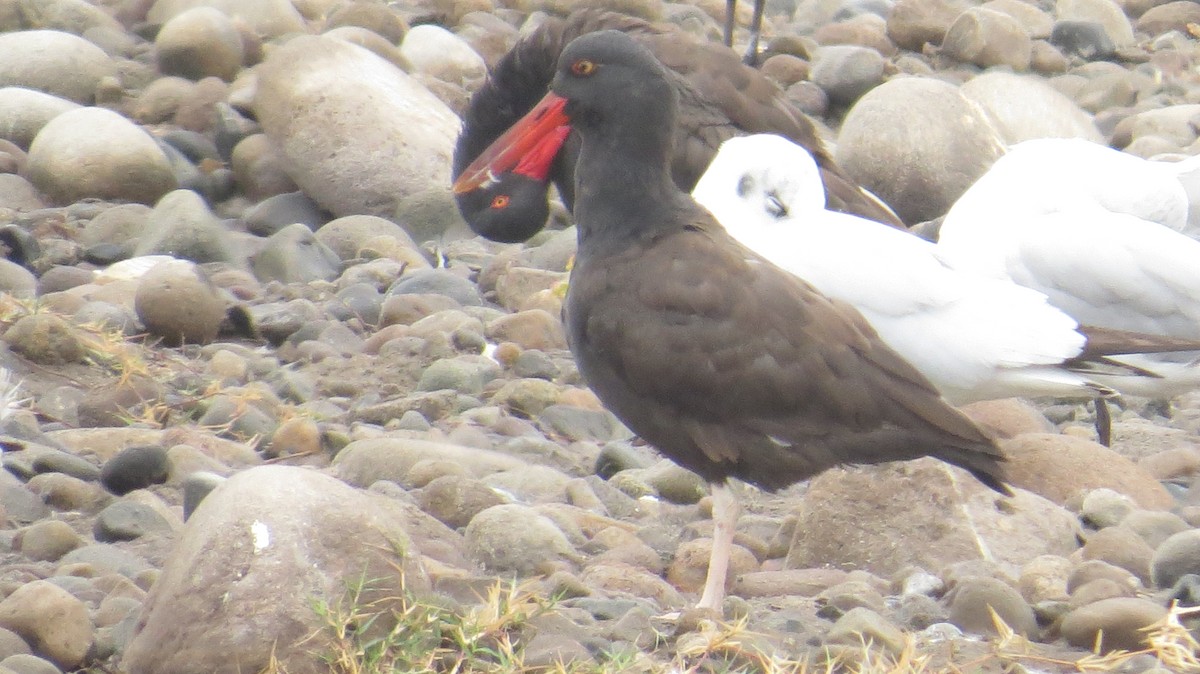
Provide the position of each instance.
(973, 337)
(1099, 232)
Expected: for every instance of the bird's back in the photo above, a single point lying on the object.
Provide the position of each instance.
(733, 367)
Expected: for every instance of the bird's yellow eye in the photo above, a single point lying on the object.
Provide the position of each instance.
(500, 201)
(583, 67)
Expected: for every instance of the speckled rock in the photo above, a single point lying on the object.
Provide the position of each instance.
(127, 521)
(51, 620)
(176, 301)
(16, 280)
(250, 537)
(918, 171)
(54, 62)
(199, 42)
(388, 137)
(65, 150)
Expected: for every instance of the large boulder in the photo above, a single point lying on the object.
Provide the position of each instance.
(869, 517)
(919, 169)
(258, 554)
(358, 134)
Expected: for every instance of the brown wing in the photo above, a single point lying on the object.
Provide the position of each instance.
(734, 367)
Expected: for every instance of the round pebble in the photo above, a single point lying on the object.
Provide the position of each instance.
(135, 468)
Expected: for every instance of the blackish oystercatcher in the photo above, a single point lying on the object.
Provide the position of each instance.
(727, 364)
(719, 96)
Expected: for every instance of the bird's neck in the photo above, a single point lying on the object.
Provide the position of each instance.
(623, 190)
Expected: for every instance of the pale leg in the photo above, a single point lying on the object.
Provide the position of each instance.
(725, 514)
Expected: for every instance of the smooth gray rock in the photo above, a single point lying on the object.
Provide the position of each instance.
(23, 112)
(269, 18)
(199, 42)
(181, 225)
(920, 170)
(295, 255)
(65, 152)
(358, 134)
(55, 63)
(240, 584)
(1023, 107)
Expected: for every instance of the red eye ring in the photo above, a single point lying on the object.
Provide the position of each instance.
(583, 67)
(501, 201)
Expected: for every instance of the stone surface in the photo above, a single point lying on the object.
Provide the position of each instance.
(1060, 467)
(1176, 557)
(866, 519)
(65, 150)
(176, 301)
(51, 620)
(54, 62)
(1121, 619)
(358, 134)
(248, 559)
(918, 170)
(988, 38)
(135, 467)
(1025, 107)
(23, 112)
(199, 42)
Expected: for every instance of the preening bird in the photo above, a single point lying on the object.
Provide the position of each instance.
(503, 197)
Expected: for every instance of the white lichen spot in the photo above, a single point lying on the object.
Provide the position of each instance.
(261, 535)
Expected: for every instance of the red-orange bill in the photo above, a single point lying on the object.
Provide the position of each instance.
(526, 135)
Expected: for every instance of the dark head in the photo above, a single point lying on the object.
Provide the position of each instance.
(509, 210)
(613, 82)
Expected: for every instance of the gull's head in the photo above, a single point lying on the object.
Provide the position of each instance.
(760, 180)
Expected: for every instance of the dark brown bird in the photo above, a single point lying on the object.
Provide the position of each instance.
(719, 97)
(727, 364)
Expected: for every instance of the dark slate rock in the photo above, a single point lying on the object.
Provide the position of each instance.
(135, 468)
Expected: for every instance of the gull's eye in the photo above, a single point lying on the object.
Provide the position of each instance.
(501, 201)
(583, 68)
(775, 207)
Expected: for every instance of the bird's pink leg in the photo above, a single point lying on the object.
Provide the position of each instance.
(725, 514)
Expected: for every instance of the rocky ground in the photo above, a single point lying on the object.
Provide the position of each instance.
(272, 409)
